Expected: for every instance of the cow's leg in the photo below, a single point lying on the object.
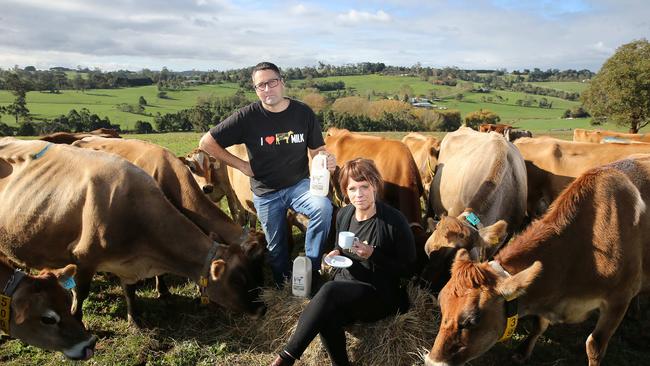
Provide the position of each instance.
(161, 288)
(526, 348)
(634, 312)
(610, 317)
(80, 291)
(131, 309)
(236, 212)
(251, 220)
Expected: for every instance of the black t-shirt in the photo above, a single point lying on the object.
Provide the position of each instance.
(276, 142)
(366, 231)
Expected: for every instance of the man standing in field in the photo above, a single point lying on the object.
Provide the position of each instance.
(278, 132)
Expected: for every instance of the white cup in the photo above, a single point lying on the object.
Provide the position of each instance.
(346, 239)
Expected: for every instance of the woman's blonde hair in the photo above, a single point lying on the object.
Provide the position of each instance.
(360, 170)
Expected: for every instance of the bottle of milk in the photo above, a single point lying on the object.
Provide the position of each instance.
(319, 179)
(301, 278)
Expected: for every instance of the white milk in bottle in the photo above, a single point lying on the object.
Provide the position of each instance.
(301, 278)
(319, 179)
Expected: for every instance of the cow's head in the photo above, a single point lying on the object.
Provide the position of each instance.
(40, 315)
(203, 168)
(473, 311)
(236, 275)
(456, 232)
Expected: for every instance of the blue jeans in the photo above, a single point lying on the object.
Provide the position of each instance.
(272, 212)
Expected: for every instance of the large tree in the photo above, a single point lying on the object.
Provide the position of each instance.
(620, 92)
(19, 89)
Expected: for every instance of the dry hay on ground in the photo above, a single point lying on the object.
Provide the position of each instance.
(394, 341)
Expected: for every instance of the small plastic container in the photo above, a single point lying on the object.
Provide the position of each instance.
(301, 277)
(319, 178)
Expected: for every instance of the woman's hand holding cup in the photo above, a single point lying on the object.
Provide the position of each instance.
(346, 239)
(362, 250)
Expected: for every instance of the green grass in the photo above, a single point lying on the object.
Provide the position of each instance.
(365, 84)
(180, 143)
(103, 102)
(569, 86)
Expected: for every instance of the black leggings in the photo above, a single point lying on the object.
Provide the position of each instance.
(336, 304)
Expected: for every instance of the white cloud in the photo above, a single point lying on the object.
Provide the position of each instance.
(299, 9)
(219, 34)
(353, 16)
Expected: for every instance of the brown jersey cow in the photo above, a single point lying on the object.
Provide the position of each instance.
(175, 181)
(402, 183)
(63, 204)
(551, 164)
(590, 251)
(597, 136)
(70, 137)
(38, 310)
(480, 175)
(425, 154)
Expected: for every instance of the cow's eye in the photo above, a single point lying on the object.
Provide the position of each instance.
(49, 320)
(470, 321)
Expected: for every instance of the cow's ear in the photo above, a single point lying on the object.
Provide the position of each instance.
(514, 286)
(188, 162)
(253, 248)
(217, 268)
(20, 310)
(434, 152)
(62, 274)
(495, 233)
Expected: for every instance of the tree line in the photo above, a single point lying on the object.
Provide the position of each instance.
(619, 93)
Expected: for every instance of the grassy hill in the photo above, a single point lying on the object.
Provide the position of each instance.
(569, 86)
(104, 101)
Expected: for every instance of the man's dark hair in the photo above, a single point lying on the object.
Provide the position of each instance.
(266, 66)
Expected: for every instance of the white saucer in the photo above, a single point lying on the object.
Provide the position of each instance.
(338, 261)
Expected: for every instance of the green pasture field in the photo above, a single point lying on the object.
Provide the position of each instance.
(179, 331)
(103, 102)
(363, 84)
(569, 86)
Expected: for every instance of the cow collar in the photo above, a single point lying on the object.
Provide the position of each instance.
(5, 298)
(510, 306)
(205, 273)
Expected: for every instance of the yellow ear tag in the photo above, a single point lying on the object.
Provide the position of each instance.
(511, 325)
(495, 240)
(203, 282)
(205, 300)
(511, 319)
(5, 302)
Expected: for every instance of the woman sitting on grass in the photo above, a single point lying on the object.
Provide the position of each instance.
(369, 289)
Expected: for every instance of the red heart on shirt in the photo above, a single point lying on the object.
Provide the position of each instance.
(269, 139)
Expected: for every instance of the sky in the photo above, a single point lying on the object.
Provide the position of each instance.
(228, 34)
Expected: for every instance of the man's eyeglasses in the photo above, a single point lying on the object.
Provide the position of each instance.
(271, 84)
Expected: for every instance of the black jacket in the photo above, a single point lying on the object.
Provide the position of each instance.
(394, 254)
